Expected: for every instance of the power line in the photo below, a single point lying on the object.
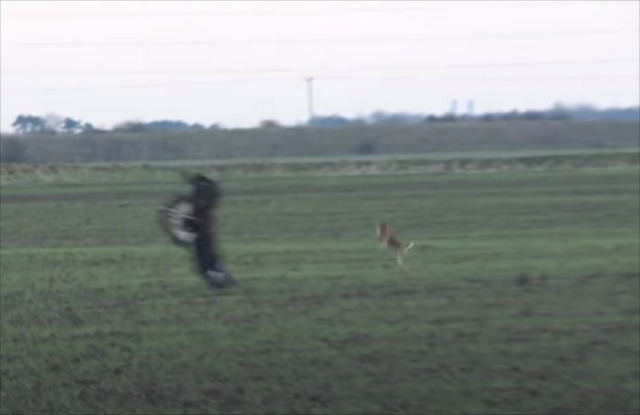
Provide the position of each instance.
(142, 86)
(487, 79)
(559, 62)
(615, 77)
(210, 13)
(263, 42)
(265, 12)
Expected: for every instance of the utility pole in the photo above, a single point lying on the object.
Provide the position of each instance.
(310, 97)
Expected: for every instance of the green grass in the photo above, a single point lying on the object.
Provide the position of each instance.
(441, 155)
(12, 176)
(521, 295)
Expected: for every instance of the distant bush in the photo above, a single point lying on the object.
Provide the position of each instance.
(366, 148)
(130, 127)
(269, 124)
(12, 150)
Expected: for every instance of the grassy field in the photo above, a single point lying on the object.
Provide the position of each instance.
(521, 296)
(106, 173)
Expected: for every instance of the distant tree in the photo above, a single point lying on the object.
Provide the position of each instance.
(158, 126)
(558, 112)
(54, 123)
(358, 121)
(533, 115)
(586, 112)
(487, 117)
(329, 121)
(71, 126)
(269, 124)
(49, 124)
(130, 127)
(168, 125)
(20, 124)
(29, 124)
(448, 118)
(90, 129)
(395, 118)
(443, 118)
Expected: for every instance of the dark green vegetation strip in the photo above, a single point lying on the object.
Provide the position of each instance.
(12, 176)
(325, 142)
(520, 296)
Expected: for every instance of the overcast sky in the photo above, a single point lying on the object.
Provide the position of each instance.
(241, 62)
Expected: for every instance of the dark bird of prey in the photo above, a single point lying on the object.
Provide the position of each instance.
(190, 222)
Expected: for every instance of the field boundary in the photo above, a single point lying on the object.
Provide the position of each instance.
(98, 173)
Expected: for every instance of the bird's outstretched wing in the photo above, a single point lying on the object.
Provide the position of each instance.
(176, 218)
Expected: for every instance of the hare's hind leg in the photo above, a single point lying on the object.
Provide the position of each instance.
(401, 266)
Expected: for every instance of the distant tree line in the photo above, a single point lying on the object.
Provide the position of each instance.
(161, 125)
(557, 112)
(49, 124)
(55, 124)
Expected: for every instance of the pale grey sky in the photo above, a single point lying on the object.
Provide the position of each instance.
(241, 62)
